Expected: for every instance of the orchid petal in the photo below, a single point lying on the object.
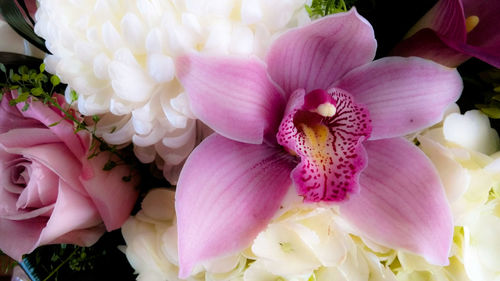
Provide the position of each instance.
(402, 203)
(316, 55)
(402, 95)
(446, 18)
(427, 44)
(227, 193)
(232, 96)
(485, 33)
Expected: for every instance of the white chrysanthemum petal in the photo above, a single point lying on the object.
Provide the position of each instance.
(100, 66)
(190, 21)
(161, 68)
(184, 137)
(112, 39)
(90, 105)
(150, 10)
(134, 33)
(251, 11)
(120, 135)
(154, 41)
(145, 154)
(471, 130)
(241, 40)
(174, 117)
(151, 138)
(118, 107)
(181, 104)
(219, 38)
(86, 51)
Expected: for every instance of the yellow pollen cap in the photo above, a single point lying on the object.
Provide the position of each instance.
(326, 109)
(471, 23)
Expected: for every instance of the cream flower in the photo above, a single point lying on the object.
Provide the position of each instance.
(119, 57)
(463, 150)
(151, 238)
(482, 243)
(457, 149)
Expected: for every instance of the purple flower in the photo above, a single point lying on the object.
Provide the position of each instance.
(320, 114)
(455, 30)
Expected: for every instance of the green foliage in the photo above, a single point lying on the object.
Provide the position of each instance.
(321, 8)
(491, 105)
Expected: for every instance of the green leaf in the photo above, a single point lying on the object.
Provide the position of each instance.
(95, 118)
(37, 91)
(14, 59)
(42, 67)
(26, 11)
(25, 107)
(492, 112)
(74, 96)
(16, 20)
(54, 124)
(55, 80)
(23, 69)
(2, 68)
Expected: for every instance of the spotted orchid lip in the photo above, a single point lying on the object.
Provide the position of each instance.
(329, 146)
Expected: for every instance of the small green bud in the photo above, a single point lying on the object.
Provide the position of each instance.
(55, 80)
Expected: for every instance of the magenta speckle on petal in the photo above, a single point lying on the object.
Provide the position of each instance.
(330, 148)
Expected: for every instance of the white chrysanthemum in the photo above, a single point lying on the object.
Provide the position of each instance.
(118, 55)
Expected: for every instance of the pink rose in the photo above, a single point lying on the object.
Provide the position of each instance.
(49, 191)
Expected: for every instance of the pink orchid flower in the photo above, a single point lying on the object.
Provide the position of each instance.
(322, 115)
(455, 30)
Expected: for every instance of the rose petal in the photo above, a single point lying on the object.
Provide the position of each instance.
(72, 212)
(77, 143)
(315, 56)
(113, 197)
(20, 237)
(402, 95)
(227, 193)
(56, 157)
(232, 96)
(401, 203)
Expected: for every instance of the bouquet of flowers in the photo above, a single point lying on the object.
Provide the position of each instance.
(250, 140)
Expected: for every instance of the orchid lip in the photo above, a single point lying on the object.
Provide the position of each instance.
(325, 130)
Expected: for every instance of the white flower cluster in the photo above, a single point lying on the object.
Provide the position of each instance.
(118, 55)
(464, 149)
(305, 242)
